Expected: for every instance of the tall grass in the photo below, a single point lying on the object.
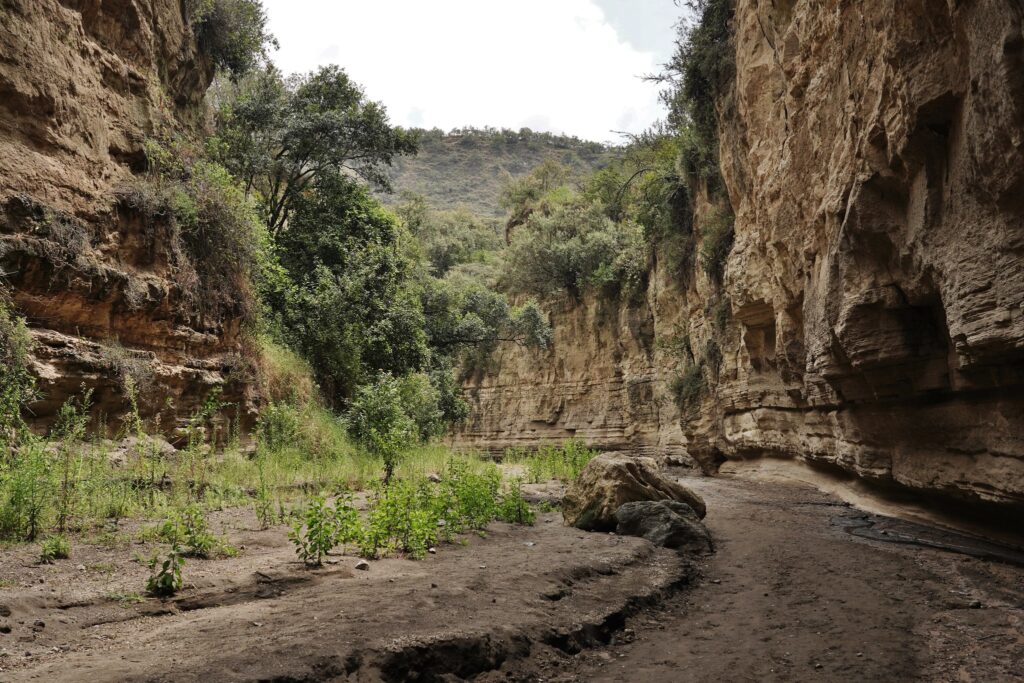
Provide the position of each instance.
(67, 484)
(563, 462)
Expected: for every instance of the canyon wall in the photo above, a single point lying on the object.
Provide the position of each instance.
(83, 84)
(872, 154)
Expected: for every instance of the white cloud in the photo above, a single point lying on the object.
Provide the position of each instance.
(554, 65)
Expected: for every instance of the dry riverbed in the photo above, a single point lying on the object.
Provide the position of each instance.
(803, 587)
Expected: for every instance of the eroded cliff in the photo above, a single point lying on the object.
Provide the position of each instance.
(83, 84)
(872, 155)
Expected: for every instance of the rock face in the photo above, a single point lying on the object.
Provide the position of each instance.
(601, 382)
(83, 83)
(611, 480)
(873, 155)
(665, 523)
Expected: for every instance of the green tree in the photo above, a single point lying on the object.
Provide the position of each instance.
(233, 32)
(344, 295)
(284, 137)
(378, 422)
(17, 385)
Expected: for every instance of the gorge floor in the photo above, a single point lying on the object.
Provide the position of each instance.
(790, 595)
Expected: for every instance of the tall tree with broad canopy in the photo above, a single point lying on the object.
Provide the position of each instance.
(283, 136)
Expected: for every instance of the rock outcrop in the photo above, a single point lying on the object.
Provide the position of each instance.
(664, 523)
(83, 84)
(601, 382)
(871, 315)
(611, 480)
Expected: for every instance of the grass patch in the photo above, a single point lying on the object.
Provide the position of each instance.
(564, 462)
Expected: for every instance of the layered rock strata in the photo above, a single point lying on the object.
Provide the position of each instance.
(872, 154)
(83, 84)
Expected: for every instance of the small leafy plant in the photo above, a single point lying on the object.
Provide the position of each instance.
(55, 548)
(165, 577)
(512, 506)
(316, 534)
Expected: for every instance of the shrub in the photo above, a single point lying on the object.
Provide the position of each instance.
(513, 508)
(689, 386)
(165, 577)
(316, 534)
(215, 236)
(188, 528)
(716, 243)
(195, 534)
(28, 487)
(232, 32)
(278, 426)
(72, 420)
(17, 385)
(699, 73)
(402, 517)
(284, 375)
(378, 421)
(564, 462)
(575, 247)
(55, 548)
(420, 400)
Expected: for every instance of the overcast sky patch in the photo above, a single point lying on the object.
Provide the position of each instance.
(564, 66)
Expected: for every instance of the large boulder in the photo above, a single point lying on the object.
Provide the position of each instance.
(610, 481)
(666, 523)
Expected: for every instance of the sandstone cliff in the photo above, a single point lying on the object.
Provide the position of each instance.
(83, 83)
(872, 153)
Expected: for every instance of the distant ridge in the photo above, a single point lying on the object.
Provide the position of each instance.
(467, 167)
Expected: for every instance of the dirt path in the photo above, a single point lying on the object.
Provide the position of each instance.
(792, 595)
(802, 587)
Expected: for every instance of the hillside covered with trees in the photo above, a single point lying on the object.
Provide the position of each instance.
(468, 167)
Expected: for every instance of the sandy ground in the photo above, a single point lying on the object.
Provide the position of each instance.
(793, 595)
(803, 587)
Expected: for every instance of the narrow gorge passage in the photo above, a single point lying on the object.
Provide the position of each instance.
(644, 341)
(790, 595)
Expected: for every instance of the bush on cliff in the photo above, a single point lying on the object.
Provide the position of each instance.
(232, 32)
(17, 385)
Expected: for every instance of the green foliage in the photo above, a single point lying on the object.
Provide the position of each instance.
(690, 386)
(188, 528)
(563, 462)
(574, 247)
(716, 243)
(346, 298)
(512, 506)
(278, 426)
(400, 517)
(449, 238)
(165, 577)
(466, 321)
(232, 32)
(195, 534)
(72, 420)
(55, 548)
(215, 235)
(699, 73)
(421, 401)
(28, 486)
(719, 312)
(410, 515)
(378, 422)
(467, 169)
(284, 137)
(17, 385)
(316, 534)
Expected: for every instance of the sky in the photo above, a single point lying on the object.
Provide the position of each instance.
(562, 66)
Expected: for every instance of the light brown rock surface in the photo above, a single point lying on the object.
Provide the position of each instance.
(872, 153)
(83, 83)
(611, 480)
